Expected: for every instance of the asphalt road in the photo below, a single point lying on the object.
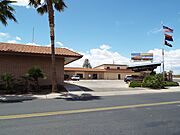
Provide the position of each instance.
(147, 120)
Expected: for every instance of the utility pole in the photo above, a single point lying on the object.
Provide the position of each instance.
(33, 35)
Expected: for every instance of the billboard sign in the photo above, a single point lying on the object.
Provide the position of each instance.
(142, 56)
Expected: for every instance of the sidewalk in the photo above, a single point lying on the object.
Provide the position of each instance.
(83, 94)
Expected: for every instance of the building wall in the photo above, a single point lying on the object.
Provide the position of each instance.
(19, 65)
(111, 67)
(102, 75)
(111, 76)
(114, 76)
(86, 74)
(89, 75)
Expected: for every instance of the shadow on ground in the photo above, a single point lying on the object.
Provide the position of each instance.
(82, 97)
(80, 87)
(15, 98)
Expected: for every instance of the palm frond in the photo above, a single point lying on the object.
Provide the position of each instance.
(6, 11)
(7, 2)
(59, 5)
(35, 3)
(3, 19)
(43, 9)
(11, 16)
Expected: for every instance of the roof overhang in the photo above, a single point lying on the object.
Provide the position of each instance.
(147, 67)
(69, 59)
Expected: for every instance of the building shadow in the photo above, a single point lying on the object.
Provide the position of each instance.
(15, 98)
(82, 97)
(82, 88)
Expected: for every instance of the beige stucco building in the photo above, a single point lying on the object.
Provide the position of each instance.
(17, 59)
(105, 71)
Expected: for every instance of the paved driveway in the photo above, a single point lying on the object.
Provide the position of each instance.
(111, 88)
(102, 85)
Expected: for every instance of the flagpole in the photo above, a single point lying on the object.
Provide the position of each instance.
(163, 64)
(163, 53)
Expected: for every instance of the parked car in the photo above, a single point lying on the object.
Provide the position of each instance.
(130, 78)
(75, 77)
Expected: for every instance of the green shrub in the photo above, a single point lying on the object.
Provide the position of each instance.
(134, 84)
(8, 82)
(35, 73)
(153, 81)
(171, 84)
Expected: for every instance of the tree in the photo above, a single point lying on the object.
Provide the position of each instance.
(86, 64)
(6, 11)
(47, 6)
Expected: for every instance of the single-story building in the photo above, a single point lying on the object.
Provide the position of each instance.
(110, 71)
(17, 59)
(105, 71)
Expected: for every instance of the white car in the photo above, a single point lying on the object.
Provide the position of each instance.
(75, 77)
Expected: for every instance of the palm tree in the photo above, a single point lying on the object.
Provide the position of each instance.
(47, 6)
(6, 11)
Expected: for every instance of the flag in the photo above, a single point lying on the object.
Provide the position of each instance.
(167, 29)
(168, 37)
(168, 44)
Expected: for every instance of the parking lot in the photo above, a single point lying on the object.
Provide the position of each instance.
(102, 85)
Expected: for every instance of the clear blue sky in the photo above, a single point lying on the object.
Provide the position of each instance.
(126, 25)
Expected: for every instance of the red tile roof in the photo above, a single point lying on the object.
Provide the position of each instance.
(30, 49)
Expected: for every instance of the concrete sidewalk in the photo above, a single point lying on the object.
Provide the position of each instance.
(83, 94)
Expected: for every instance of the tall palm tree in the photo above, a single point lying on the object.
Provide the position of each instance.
(48, 6)
(6, 11)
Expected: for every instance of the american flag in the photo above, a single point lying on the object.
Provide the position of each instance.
(167, 29)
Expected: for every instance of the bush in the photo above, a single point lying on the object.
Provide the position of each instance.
(35, 73)
(171, 84)
(8, 82)
(153, 81)
(135, 84)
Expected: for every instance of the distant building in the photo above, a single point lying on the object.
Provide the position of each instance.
(105, 71)
(110, 71)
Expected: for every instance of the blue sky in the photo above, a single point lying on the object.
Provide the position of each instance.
(115, 28)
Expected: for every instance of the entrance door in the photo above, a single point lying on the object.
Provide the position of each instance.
(119, 76)
(94, 76)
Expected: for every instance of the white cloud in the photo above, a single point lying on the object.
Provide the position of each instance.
(4, 35)
(18, 38)
(11, 41)
(171, 59)
(21, 3)
(29, 43)
(59, 44)
(101, 55)
(105, 47)
(35, 44)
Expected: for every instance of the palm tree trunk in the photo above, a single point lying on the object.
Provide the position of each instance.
(52, 37)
